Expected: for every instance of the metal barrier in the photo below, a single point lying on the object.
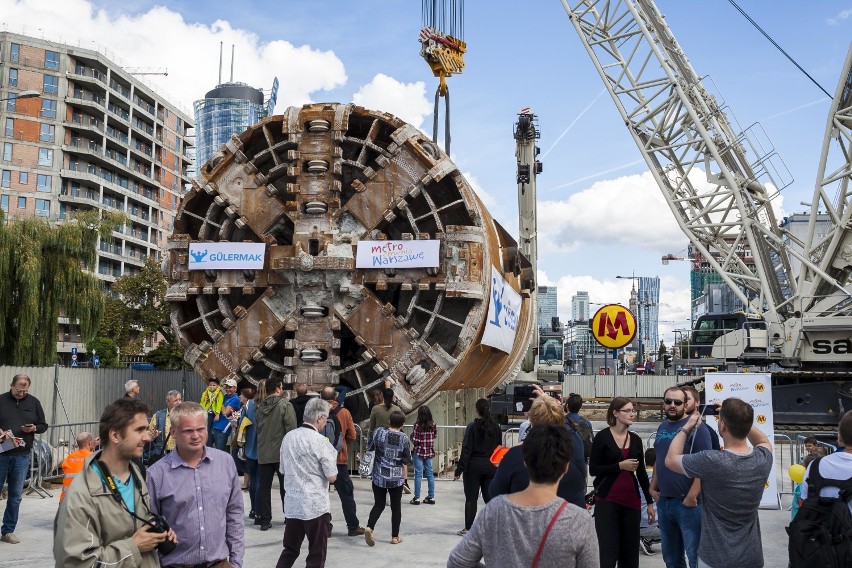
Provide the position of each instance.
(779, 443)
(800, 447)
(50, 450)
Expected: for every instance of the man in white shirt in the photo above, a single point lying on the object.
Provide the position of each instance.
(837, 466)
(309, 464)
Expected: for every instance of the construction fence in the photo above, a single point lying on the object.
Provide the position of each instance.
(631, 386)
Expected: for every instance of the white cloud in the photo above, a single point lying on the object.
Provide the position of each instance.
(491, 203)
(629, 210)
(191, 54)
(405, 100)
(836, 20)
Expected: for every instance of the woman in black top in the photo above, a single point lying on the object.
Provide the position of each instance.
(480, 438)
(617, 462)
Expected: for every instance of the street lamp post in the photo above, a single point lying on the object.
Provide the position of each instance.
(640, 345)
(30, 94)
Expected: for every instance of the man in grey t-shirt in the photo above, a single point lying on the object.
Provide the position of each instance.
(732, 483)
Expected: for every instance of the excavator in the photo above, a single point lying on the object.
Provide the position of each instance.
(719, 184)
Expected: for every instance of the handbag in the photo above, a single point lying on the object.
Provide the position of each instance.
(593, 494)
(365, 466)
(547, 532)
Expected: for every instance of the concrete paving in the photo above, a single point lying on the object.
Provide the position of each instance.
(428, 532)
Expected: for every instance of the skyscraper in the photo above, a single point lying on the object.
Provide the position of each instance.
(228, 110)
(648, 306)
(96, 138)
(580, 306)
(546, 306)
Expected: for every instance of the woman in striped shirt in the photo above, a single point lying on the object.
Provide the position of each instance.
(423, 441)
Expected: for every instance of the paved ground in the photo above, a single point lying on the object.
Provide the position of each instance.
(428, 535)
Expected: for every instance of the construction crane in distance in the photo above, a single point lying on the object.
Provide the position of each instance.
(443, 48)
(147, 71)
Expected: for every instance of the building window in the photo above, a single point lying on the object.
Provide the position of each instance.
(22, 203)
(7, 151)
(6, 179)
(23, 178)
(48, 108)
(47, 132)
(51, 84)
(51, 60)
(43, 207)
(10, 127)
(62, 211)
(45, 157)
(15, 54)
(4, 203)
(13, 77)
(12, 103)
(43, 183)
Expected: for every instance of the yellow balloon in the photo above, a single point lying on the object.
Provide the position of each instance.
(797, 472)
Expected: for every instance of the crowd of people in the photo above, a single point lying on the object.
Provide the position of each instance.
(182, 505)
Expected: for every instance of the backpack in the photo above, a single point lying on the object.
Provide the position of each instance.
(332, 430)
(821, 533)
(584, 430)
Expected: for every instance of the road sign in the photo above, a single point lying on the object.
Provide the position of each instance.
(73, 356)
(74, 351)
(613, 326)
(96, 360)
(74, 362)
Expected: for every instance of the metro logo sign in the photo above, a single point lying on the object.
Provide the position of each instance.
(613, 326)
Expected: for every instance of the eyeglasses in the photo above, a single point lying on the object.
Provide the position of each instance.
(669, 402)
(21, 391)
(631, 412)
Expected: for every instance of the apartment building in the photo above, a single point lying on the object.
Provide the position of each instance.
(96, 138)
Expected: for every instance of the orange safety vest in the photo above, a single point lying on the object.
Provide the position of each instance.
(72, 465)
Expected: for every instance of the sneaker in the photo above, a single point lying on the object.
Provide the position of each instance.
(415, 501)
(265, 527)
(429, 501)
(357, 532)
(368, 537)
(645, 547)
(462, 532)
(252, 515)
(10, 538)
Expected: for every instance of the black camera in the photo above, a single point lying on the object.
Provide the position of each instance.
(159, 524)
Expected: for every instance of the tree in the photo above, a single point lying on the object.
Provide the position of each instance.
(662, 350)
(105, 348)
(167, 356)
(42, 277)
(139, 310)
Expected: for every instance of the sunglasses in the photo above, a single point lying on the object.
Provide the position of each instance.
(670, 401)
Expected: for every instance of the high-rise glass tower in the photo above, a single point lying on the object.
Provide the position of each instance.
(546, 306)
(227, 110)
(580, 306)
(649, 315)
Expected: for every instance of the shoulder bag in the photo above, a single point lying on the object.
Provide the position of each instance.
(547, 532)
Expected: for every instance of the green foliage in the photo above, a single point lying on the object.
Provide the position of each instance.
(167, 356)
(140, 309)
(106, 349)
(41, 271)
(662, 350)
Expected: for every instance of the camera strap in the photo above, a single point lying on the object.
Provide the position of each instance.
(116, 492)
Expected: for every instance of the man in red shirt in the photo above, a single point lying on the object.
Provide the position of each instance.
(75, 461)
(343, 483)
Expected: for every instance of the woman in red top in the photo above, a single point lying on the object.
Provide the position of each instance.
(618, 463)
(423, 440)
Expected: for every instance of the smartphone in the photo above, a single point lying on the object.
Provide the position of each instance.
(708, 409)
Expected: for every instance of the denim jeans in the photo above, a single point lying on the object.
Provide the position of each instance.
(254, 482)
(13, 471)
(422, 465)
(680, 531)
(220, 440)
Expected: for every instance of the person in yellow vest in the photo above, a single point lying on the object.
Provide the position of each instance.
(212, 399)
(73, 464)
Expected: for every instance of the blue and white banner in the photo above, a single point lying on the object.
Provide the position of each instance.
(755, 389)
(504, 309)
(226, 256)
(398, 254)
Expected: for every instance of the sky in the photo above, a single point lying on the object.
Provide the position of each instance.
(600, 211)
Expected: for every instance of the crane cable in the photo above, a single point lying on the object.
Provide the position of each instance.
(778, 47)
(438, 96)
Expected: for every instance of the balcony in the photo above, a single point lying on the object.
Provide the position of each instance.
(83, 145)
(89, 122)
(88, 73)
(117, 135)
(117, 157)
(120, 89)
(143, 128)
(119, 112)
(144, 106)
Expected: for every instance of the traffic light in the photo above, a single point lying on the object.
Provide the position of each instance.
(667, 360)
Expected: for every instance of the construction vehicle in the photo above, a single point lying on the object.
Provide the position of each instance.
(311, 186)
(719, 183)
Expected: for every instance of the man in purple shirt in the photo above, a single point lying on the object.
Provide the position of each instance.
(189, 486)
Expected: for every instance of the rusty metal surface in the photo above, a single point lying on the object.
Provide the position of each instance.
(310, 184)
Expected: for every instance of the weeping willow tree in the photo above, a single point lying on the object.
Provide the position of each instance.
(43, 275)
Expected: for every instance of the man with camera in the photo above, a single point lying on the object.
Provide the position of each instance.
(196, 489)
(105, 519)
